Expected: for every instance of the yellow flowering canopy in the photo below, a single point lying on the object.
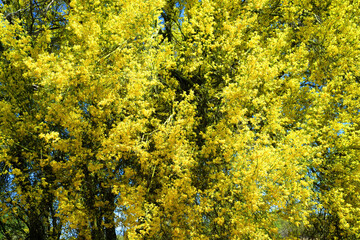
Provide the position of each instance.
(166, 119)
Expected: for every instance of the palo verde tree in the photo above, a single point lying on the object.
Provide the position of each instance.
(179, 119)
(331, 115)
(28, 202)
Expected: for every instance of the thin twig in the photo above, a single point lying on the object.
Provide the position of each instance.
(48, 6)
(110, 53)
(317, 18)
(13, 13)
